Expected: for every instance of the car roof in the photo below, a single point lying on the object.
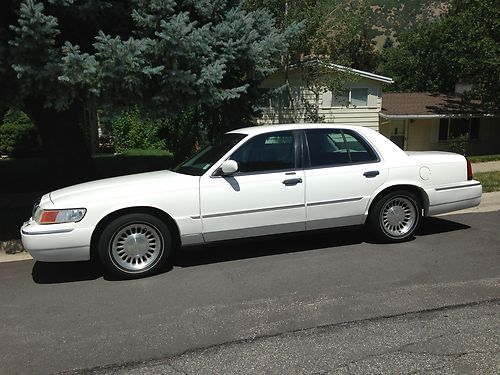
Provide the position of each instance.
(259, 129)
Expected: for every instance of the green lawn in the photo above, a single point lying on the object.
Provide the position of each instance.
(136, 152)
(490, 180)
(483, 158)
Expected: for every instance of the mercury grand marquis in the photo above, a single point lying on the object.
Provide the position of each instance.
(256, 181)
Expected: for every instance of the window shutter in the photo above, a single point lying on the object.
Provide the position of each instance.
(326, 100)
(373, 96)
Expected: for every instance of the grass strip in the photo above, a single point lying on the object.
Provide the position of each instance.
(489, 180)
(483, 158)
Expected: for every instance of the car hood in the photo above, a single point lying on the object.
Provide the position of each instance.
(142, 184)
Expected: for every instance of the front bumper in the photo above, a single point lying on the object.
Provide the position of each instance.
(56, 242)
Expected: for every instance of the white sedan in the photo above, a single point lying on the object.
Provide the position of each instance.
(256, 181)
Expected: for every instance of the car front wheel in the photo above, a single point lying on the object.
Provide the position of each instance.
(396, 216)
(135, 245)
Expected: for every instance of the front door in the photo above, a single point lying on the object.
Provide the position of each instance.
(265, 196)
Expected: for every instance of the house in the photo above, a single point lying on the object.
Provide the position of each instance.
(303, 99)
(426, 121)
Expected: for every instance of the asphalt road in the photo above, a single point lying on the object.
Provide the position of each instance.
(269, 304)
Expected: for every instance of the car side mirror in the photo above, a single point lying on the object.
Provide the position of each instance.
(229, 167)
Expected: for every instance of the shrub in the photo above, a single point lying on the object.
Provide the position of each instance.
(133, 131)
(182, 134)
(458, 144)
(18, 135)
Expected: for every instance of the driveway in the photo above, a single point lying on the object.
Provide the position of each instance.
(277, 293)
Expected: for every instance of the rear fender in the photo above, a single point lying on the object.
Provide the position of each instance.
(400, 185)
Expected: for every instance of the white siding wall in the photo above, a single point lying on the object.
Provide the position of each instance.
(295, 111)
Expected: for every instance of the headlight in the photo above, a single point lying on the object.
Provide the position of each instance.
(72, 215)
(35, 207)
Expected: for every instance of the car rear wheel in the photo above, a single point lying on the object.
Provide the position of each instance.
(135, 245)
(396, 216)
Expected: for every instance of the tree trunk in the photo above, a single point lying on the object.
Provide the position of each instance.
(65, 143)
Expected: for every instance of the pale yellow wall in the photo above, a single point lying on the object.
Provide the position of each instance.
(422, 135)
(384, 128)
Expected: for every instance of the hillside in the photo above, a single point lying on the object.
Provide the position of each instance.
(391, 17)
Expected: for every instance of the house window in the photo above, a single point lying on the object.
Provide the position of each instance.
(458, 127)
(281, 99)
(359, 97)
(340, 99)
(352, 97)
(443, 129)
(452, 128)
(474, 128)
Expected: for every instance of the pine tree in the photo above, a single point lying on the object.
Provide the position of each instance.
(167, 55)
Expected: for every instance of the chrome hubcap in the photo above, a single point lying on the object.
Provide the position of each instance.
(398, 216)
(136, 247)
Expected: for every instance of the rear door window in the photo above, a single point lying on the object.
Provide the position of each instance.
(330, 147)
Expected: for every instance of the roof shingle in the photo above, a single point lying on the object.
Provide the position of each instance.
(423, 104)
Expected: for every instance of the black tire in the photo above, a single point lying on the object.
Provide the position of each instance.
(135, 245)
(395, 217)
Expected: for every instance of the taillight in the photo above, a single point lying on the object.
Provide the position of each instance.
(469, 170)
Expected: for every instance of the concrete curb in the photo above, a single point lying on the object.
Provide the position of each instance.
(4, 257)
(487, 166)
(489, 202)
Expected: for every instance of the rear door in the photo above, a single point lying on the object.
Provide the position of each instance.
(342, 173)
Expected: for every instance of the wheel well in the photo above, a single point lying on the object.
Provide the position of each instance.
(424, 200)
(162, 215)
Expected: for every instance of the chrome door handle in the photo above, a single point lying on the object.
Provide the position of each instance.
(292, 181)
(371, 174)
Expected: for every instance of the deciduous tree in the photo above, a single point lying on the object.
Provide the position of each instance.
(461, 46)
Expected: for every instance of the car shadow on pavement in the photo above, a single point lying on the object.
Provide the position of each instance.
(68, 272)
(297, 242)
(64, 272)
(267, 246)
(434, 225)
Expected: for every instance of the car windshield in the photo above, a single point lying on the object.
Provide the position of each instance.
(208, 155)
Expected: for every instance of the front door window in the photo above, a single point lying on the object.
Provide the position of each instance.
(266, 152)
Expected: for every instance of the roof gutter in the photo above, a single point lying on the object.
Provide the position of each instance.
(363, 73)
(342, 68)
(432, 116)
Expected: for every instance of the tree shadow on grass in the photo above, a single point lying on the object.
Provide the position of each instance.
(53, 273)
